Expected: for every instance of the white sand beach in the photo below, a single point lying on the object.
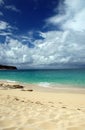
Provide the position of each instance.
(33, 109)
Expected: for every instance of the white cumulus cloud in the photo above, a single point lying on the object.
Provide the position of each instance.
(64, 46)
(57, 48)
(4, 25)
(73, 16)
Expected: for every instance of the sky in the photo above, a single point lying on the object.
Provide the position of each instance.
(42, 33)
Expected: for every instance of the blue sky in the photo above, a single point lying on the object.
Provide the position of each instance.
(42, 33)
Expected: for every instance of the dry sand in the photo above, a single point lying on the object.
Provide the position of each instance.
(41, 110)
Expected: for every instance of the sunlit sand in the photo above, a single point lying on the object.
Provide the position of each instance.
(41, 110)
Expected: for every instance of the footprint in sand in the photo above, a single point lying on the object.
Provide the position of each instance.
(78, 109)
(64, 107)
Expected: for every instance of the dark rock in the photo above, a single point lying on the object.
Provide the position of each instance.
(5, 67)
(9, 86)
(30, 90)
(26, 89)
(1, 84)
(17, 86)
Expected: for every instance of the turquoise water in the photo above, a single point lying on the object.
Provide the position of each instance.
(63, 76)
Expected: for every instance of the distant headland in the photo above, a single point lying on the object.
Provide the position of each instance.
(6, 67)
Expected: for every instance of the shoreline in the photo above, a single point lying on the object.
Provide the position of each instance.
(33, 89)
(45, 87)
(42, 108)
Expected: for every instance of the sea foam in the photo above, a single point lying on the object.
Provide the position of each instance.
(44, 84)
(10, 81)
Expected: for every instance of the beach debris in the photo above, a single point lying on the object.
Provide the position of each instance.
(27, 89)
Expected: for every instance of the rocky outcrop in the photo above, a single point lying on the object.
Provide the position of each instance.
(5, 67)
(5, 86)
(10, 86)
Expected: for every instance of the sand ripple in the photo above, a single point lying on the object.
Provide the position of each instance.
(18, 114)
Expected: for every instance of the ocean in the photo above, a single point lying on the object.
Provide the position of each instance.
(46, 78)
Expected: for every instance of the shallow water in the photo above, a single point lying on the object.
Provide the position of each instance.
(46, 77)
